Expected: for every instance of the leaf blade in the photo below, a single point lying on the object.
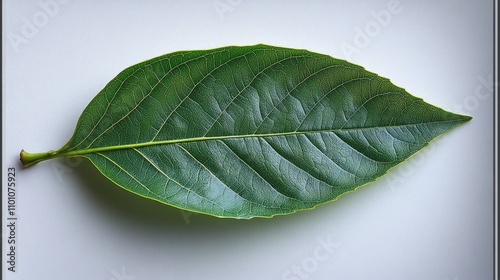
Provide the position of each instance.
(252, 131)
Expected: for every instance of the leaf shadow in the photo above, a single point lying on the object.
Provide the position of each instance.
(131, 211)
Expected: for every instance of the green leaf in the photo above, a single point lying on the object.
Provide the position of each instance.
(251, 131)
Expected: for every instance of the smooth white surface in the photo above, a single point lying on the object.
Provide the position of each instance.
(429, 218)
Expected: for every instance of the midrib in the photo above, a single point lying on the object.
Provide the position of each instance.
(228, 137)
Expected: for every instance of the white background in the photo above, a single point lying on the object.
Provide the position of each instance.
(430, 218)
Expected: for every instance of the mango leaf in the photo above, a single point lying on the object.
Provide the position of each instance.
(252, 131)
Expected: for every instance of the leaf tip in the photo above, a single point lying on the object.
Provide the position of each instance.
(465, 118)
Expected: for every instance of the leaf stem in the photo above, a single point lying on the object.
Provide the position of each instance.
(29, 159)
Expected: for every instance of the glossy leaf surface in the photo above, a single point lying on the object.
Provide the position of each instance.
(250, 131)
